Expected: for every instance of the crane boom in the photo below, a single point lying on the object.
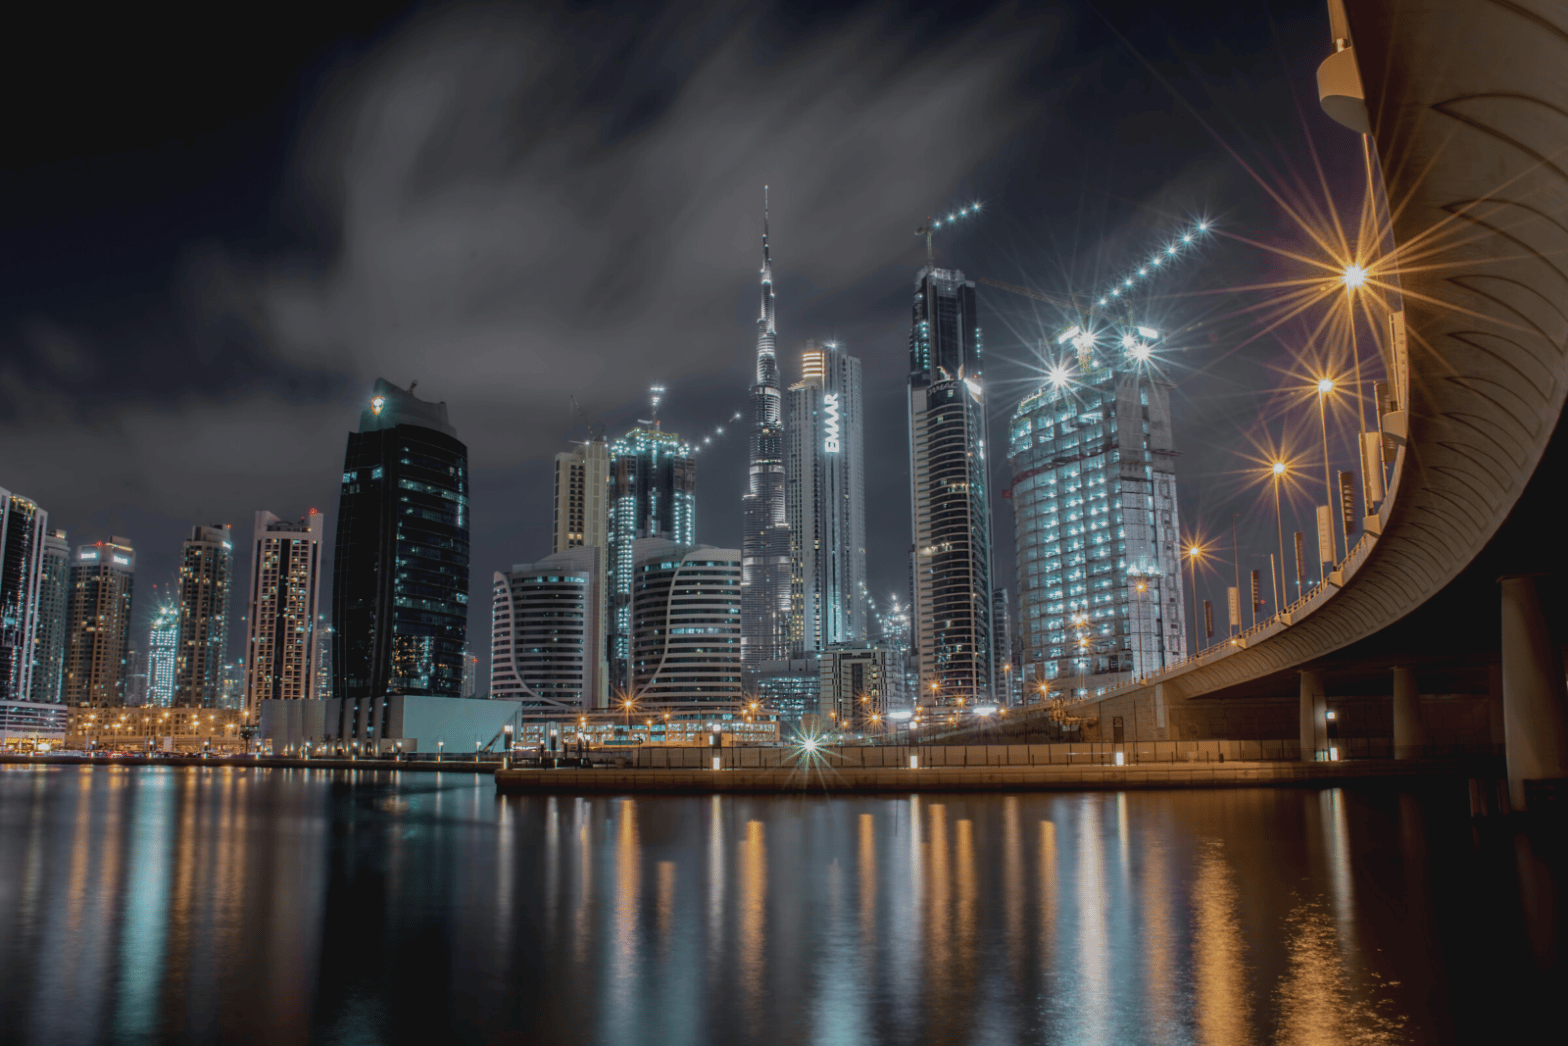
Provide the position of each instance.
(1049, 299)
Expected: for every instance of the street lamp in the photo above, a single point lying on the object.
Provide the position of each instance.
(1326, 386)
(1278, 469)
(1193, 552)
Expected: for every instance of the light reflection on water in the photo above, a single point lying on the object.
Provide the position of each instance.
(150, 905)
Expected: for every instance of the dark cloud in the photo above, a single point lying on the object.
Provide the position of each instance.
(518, 205)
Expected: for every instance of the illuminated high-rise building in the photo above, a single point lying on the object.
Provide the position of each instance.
(547, 633)
(400, 571)
(323, 658)
(950, 494)
(1094, 507)
(54, 604)
(582, 488)
(765, 540)
(161, 677)
(826, 502)
(1002, 668)
(98, 626)
(686, 631)
(23, 526)
(284, 604)
(206, 576)
(653, 492)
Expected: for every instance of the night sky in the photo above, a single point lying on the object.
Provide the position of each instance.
(218, 233)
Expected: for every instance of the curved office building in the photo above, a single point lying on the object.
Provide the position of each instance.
(547, 632)
(685, 623)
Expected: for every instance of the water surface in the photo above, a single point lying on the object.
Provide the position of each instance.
(282, 906)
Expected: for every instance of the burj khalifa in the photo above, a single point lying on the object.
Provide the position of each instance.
(764, 596)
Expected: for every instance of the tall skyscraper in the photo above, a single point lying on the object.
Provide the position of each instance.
(1002, 667)
(54, 605)
(22, 529)
(284, 603)
(232, 695)
(826, 502)
(400, 573)
(1094, 505)
(323, 658)
(547, 629)
(98, 625)
(206, 576)
(653, 494)
(582, 488)
(686, 635)
(136, 669)
(950, 495)
(765, 540)
(163, 654)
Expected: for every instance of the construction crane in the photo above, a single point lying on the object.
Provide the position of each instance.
(1081, 333)
(1049, 299)
(595, 429)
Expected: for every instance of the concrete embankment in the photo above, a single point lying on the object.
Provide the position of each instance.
(825, 779)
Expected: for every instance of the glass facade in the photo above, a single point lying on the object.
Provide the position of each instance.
(22, 529)
(206, 577)
(162, 647)
(54, 600)
(950, 506)
(765, 535)
(826, 502)
(653, 492)
(1094, 502)
(400, 569)
(790, 687)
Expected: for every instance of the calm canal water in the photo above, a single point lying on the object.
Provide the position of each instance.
(283, 906)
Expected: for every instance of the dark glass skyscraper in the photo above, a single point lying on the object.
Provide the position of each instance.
(950, 503)
(764, 586)
(653, 494)
(206, 575)
(23, 526)
(400, 569)
(54, 601)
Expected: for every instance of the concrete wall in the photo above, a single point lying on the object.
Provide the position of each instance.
(420, 723)
(897, 757)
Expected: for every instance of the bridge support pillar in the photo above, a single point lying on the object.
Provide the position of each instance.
(1409, 730)
(1314, 717)
(1535, 699)
(1494, 700)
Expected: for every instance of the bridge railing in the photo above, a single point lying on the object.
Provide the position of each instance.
(1277, 621)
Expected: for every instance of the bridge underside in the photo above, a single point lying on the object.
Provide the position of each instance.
(1468, 117)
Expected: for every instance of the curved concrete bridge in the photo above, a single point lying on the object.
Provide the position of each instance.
(1467, 104)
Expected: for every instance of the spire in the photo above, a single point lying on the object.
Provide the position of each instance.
(765, 320)
(767, 334)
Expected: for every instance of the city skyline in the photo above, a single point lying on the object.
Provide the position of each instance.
(1039, 238)
(1075, 564)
